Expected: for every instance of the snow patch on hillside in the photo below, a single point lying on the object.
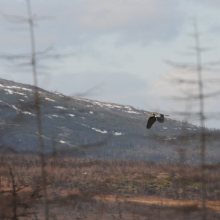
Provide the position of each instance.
(51, 100)
(127, 109)
(117, 133)
(132, 112)
(108, 105)
(25, 89)
(54, 116)
(100, 131)
(9, 91)
(27, 113)
(23, 112)
(14, 107)
(60, 107)
(20, 93)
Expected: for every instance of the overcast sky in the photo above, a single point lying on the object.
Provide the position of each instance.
(119, 47)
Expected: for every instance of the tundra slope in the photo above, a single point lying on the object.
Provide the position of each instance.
(88, 128)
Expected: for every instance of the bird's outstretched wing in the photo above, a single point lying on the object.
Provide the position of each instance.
(160, 118)
(150, 122)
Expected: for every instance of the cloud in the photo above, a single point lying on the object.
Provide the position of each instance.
(82, 21)
(107, 15)
(143, 20)
(210, 2)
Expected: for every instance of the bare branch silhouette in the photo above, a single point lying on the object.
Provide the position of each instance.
(37, 106)
(89, 91)
(200, 82)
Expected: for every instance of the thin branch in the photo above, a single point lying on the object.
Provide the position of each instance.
(14, 18)
(189, 81)
(197, 97)
(198, 48)
(90, 91)
(180, 65)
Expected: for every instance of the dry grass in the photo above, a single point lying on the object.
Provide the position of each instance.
(107, 189)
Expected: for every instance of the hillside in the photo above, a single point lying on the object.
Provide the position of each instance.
(88, 128)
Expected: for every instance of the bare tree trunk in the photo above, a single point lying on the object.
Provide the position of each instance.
(14, 202)
(37, 106)
(202, 118)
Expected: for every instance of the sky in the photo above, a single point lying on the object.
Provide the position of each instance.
(119, 50)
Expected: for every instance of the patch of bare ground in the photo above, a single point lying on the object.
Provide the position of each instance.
(212, 205)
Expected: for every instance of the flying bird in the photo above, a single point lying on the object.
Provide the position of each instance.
(154, 117)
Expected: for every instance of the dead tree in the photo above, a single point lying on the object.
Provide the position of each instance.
(15, 206)
(31, 59)
(198, 67)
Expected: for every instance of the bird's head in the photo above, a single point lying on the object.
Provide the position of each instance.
(150, 114)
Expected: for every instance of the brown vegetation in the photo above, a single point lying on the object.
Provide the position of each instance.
(105, 189)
